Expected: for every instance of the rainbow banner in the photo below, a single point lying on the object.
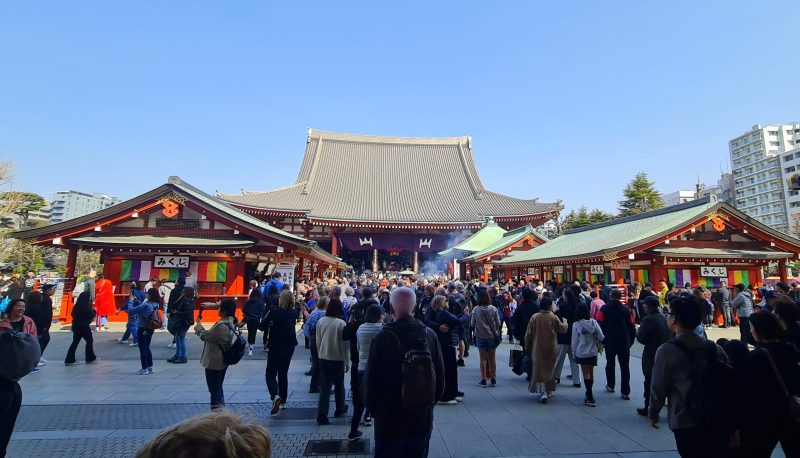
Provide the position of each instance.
(680, 277)
(640, 276)
(205, 271)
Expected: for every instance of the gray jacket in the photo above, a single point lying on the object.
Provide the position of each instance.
(585, 335)
(671, 380)
(724, 296)
(743, 303)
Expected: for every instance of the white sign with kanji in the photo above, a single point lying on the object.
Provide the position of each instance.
(171, 262)
(714, 271)
(558, 269)
(596, 269)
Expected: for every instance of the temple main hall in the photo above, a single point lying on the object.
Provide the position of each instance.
(388, 203)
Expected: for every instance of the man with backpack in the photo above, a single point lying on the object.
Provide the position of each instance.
(693, 373)
(403, 381)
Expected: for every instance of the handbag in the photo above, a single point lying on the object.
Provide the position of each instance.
(4, 304)
(792, 399)
(155, 321)
(497, 339)
(515, 360)
(19, 355)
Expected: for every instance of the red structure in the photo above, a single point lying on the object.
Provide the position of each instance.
(387, 203)
(177, 228)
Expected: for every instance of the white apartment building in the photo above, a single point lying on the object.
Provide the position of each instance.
(790, 165)
(724, 189)
(677, 197)
(72, 204)
(757, 174)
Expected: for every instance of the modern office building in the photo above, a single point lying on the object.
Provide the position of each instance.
(756, 168)
(72, 204)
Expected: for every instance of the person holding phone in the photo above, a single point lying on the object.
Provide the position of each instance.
(220, 335)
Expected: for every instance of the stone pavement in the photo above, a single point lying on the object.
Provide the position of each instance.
(105, 409)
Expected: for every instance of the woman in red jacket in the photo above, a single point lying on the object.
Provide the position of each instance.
(103, 302)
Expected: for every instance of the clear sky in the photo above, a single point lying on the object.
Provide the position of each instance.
(564, 100)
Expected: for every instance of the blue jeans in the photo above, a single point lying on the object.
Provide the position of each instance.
(145, 355)
(214, 380)
(413, 446)
(180, 345)
(130, 331)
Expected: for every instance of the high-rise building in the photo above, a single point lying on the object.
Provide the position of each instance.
(72, 204)
(790, 166)
(756, 168)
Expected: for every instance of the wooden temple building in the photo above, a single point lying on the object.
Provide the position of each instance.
(387, 203)
(176, 228)
(701, 242)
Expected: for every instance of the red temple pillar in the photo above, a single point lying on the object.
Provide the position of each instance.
(69, 284)
(782, 270)
(334, 244)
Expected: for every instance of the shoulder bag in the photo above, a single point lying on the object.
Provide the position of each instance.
(792, 399)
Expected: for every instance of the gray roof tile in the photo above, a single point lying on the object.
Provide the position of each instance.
(348, 177)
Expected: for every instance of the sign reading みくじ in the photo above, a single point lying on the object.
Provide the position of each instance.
(714, 271)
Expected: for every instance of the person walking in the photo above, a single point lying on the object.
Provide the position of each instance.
(775, 371)
(446, 326)
(143, 312)
(253, 312)
(400, 432)
(82, 316)
(743, 303)
(486, 323)
(541, 342)
(181, 318)
(310, 331)
(373, 323)
(334, 355)
(586, 341)
(215, 341)
(568, 309)
(281, 321)
(104, 302)
(136, 297)
(617, 322)
(653, 331)
(672, 381)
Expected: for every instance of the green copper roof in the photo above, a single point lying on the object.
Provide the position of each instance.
(487, 235)
(508, 239)
(726, 253)
(614, 235)
(153, 240)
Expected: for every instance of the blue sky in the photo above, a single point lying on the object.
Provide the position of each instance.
(564, 100)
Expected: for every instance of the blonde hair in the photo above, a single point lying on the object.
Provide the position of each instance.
(286, 299)
(216, 434)
(438, 303)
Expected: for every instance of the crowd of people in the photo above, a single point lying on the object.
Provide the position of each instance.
(402, 341)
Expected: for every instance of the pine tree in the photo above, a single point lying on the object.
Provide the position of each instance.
(584, 217)
(640, 196)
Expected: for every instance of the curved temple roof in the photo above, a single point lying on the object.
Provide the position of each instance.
(346, 177)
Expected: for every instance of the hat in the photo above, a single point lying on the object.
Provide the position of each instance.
(538, 289)
(276, 275)
(652, 301)
(48, 286)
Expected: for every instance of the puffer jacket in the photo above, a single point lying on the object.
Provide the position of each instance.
(585, 335)
(743, 303)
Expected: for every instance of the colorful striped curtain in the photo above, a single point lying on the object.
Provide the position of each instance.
(682, 276)
(640, 276)
(203, 271)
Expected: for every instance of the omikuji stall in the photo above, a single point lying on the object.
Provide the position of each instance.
(701, 243)
(175, 229)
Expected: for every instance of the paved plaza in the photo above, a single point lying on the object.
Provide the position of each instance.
(104, 410)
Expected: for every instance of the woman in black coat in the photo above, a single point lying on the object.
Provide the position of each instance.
(281, 322)
(82, 316)
(768, 418)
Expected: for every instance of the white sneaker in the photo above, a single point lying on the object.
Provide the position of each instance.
(119, 339)
(172, 345)
(250, 352)
(132, 344)
(543, 398)
(451, 402)
(42, 361)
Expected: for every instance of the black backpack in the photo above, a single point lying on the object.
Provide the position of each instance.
(236, 350)
(418, 388)
(711, 399)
